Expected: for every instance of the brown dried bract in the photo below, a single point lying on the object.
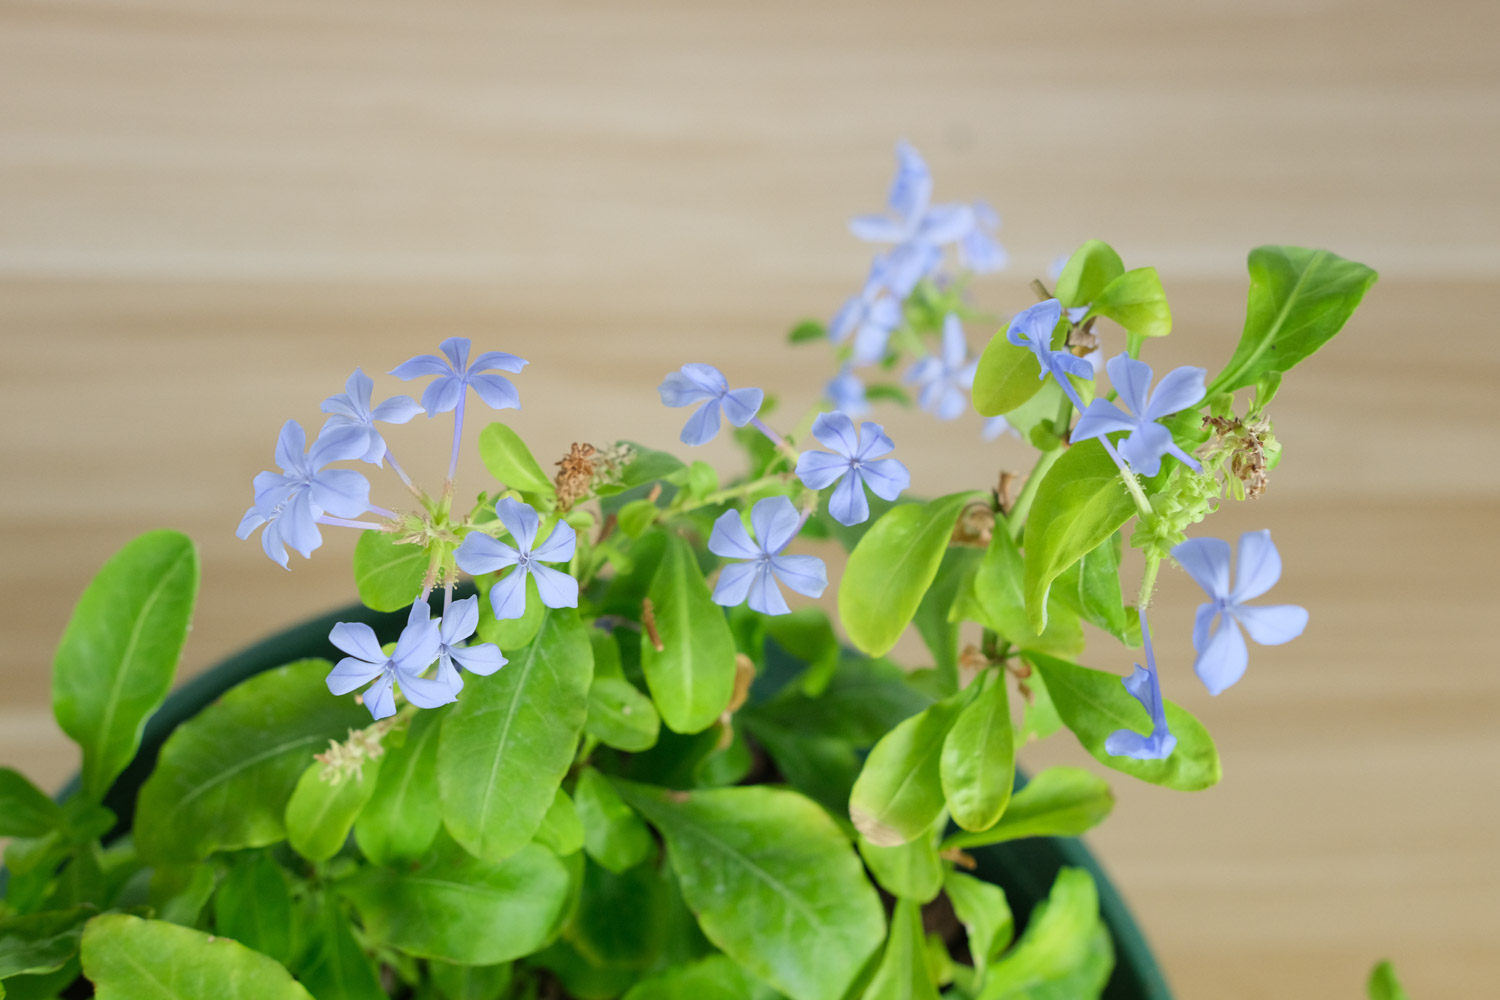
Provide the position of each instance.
(1245, 443)
(976, 524)
(575, 477)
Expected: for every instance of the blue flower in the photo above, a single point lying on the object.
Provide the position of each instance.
(352, 416)
(290, 504)
(913, 220)
(1222, 656)
(854, 462)
(705, 384)
(1148, 440)
(455, 374)
(871, 316)
(944, 379)
(1144, 687)
(457, 624)
(415, 650)
(846, 392)
(1032, 329)
(776, 523)
(479, 553)
(995, 427)
(978, 249)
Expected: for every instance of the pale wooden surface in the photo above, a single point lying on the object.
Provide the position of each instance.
(209, 213)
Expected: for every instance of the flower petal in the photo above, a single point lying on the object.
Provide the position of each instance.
(557, 589)
(1222, 662)
(457, 351)
(559, 544)
(1274, 624)
(707, 377)
(878, 228)
(835, 431)
(1033, 327)
(679, 390)
(765, 596)
(460, 620)
(873, 442)
(520, 520)
(508, 595)
(1128, 743)
(271, 544)
(1206, 561)
(497, 391)
(1101, 418)
(807, 575)
(847, 504)
(396, 410)
(730, 539)
(734, 582)
(1203, 623)
(442, 395)
(424, 692)
(492, 360)
(254, 519)
(817, 469)
(1132, 380)
(886, 478)
(741, 405)
(483, 659)
(1258, 566)
(422, 364)
(357, 639)
(1178, 389)
(380, 699)
(290, 445)
(341, 492)
(911, 191)
(352, 672)
(298, 524)
(944, 224)
(450, 674)
(703, 425)
(479, 553)
(955, 347)
(1144, 448)
(417, 647)
(775, 521)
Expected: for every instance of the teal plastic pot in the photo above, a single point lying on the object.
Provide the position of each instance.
(1025, 869)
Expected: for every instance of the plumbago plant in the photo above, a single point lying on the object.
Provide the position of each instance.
(603, 755)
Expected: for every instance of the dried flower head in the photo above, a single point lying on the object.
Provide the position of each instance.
(575, 475)
(347, 759)
(1244, 445)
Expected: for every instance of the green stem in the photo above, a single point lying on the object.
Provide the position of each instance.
(732, 492)
(1148, 581)
(1016, 519)
(1142, 505)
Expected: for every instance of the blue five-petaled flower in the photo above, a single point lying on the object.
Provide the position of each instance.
(415, 650)
(290, 504)
(351, 416)
(856, 460)
(479, 553)
(457, 373)
(457, 624)
(943, 379)
(1222, 655)
(1145, 688)
(776, 523)
(1148, 440)
(698, 383)
(1032, 329)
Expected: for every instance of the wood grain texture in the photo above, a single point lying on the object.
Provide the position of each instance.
(210, 212)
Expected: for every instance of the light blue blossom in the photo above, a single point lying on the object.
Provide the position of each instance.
(870, 316)
(854, 460)
(697, 383)
(776, 523)
(415, 650)
(979, 251)
(456, 374)
(1222, 655)
(913, 220)
(943, 379)
(846, 392)
(1148, 440)
(1145, 688)
(479, 553)
(351, 415)
(458, 623)
(1033, 329)
(995, 427)
(290, 504)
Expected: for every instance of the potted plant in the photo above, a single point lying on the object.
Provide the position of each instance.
(577, 742)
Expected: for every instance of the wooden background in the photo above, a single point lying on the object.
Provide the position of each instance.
(210, 212)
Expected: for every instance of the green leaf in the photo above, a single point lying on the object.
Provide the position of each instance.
(38, 943)
(1065, 951)
(511, 462)
(254, 906)
(903, 973)
(620, 716)
(907, 871)
(692, 676)
(178, 893)
(1080, 503)
(337, 968)
(224, 776)
(636, 516)
(115, 663)
(1299, 299)
(320, 813)
(1007, 377)
(613, 834)
(25, 810)
(618, 922)
(402, 817)
(1094, 703)
(1136, 301)
(1039, 720)
(1383, 984)
(462, 909)
(1091, 268)
(1058, 802)
(978, 761)
(127, 958)
(1091, 587)
(936, 619)
(387, 573)
(471, 982)
(561, 831)
(510, 634)
(506, 745)
(648, 465)
(808, 329)
(983, 910)
(892, 567)
(899, 794)
(808, 635)
(773, 882)
(716, 977)
(1001, 602)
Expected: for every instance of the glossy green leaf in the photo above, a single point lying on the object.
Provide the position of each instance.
(387, 573)
(462, 909)
(1000, 603)
(1007, 377)
(636, 516)
(402, 816)
(338, 968)
(1091, 587)
(224, 776)
(321, 813)
(1094, 703)
(471, 982)
(1383, 984)
(1058, 802)
(179, 892)
(127, 958)
(939, 616)
(903, 972)
(1065, 950)
(25, 810)
(808, 329)
(1088, 272)
(899, 794)
(1080, 503)
(505, 747)
(613, 834)
(773, 882)
(510, 634)
(561, 831)
(978, 762)
(510, 461)
(1136, 301)
(620, 716)
(254, 906)
(985, 913)
(692, 676)
(39, 943)
(892, 567)
(1299, 299)
(647, 465)
(118, 654)
(716, 977)
(618, 921)
(1039, 718)
(907, 871)
(808, 635)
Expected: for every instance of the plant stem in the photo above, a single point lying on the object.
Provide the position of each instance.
(1016, 519)
(1148, 584)
(733, 491)
(458, 436)
(776, 439)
